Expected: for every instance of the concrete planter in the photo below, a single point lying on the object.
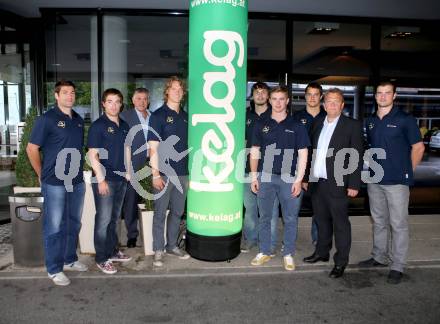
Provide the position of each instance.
(146, 224)
(18, 189)
(86, 242)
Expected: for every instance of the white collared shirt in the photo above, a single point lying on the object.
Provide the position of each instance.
(319, 167)
(144, 122)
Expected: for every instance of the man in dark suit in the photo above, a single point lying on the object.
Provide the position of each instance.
(137, 117)
(334, 174)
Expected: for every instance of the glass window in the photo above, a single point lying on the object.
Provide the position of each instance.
(266, 39)
(15, 93)
(266, 49)
(334, 54)
(69, 56)
(353, 97)
(141, 51)
(410, 55)
(422, 103)
(331, 52)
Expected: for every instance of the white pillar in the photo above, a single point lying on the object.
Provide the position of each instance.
(114, 52)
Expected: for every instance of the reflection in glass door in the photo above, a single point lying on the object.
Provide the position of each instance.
(15, 94)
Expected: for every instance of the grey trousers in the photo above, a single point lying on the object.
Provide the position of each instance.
(174, 200)
(389, 210)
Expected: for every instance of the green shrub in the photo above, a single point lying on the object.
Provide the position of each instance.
(25, 174)
(86, 166)
(147, 185)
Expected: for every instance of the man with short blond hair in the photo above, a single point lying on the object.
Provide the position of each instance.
(274, 177)
(168, 121)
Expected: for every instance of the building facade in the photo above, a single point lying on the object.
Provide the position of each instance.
(98, 45)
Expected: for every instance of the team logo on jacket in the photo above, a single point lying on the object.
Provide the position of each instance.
(170, 120)
(61, 124)
(248, 122)
(304, 121)
(370, 126)
(110, 130)
(266, 129)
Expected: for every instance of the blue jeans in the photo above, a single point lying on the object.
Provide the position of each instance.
(250, 224)
(173, 199)
(290, 207)
(108, 210)
(62, 212)
(130, 211)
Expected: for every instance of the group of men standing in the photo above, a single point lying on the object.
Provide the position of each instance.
(117, 150)
(310, 152)
(325, 150)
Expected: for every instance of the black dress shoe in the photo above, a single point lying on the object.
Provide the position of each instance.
(337, 272)
(315, 258)
(370, 263)
(131, 243)
(394, 277)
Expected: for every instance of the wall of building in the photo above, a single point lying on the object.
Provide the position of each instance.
(421, 9)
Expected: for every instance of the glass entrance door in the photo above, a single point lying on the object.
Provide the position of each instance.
(15, 94)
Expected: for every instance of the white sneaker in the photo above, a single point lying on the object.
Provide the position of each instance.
(157, 259)
(179, 253)
(260, 259)
(76, 266)
(289, 264)
(59, 279)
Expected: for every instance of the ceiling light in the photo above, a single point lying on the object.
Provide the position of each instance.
(322, 28)
(400, 31)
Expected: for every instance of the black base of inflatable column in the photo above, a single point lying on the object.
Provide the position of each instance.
(213, 248)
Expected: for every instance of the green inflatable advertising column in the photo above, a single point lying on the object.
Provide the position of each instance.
(217, 109)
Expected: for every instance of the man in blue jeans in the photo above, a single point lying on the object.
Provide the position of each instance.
(59, 133)
(169, 167)
(108, 153)
(260, 109)
(282, 143)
